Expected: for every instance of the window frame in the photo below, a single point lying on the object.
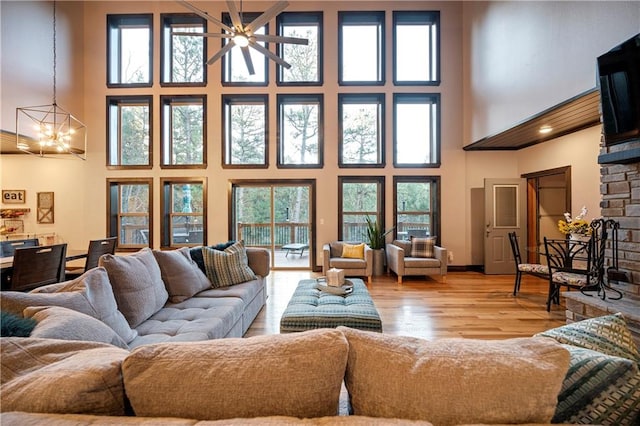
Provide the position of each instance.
(363, 18)
(165, 102)
(116, 102)
(301, 18)
(114, 214)
(380, 202)
(434, 142)
(166, 211)
(226, 128)
(418, 17)
(167, 20)
(434, 202)
(226, 63)
(114, 23)
(282, 99)
(356, 98)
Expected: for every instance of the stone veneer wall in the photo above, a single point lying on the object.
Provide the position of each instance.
(620, 190)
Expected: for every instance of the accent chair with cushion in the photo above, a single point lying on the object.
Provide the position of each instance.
(356, 259)
(420, 256)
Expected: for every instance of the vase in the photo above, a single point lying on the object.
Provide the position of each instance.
(378, 262)
(579, 237)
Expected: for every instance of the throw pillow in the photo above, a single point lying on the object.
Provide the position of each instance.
(196, 253)
(422, 247)
(61, 376)
(11, 325)
(298, 374)
(54, 322)
(608, 334)
(599, 389)
(90, 294)
(228, 267)
(353, 251)
(180, 274)
(454, 381)
(137, 284)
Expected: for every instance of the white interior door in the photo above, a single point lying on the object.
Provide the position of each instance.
(505, 211)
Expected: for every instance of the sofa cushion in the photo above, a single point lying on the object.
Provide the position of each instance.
(608, 334)
(296, 375)
(228, 267)
(180, 274)
(353, 251)
(421, 262)
(55, 322)
(422, 247)
(454, 381)
(137, 284)
(345, 263)
(59, 376)
(90, 294)
(599, 389)
(12, 325)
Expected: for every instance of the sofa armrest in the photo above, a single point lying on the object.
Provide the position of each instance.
(326, 256)
(259, 260)
(395, 258)
(368, 257)
(440, 253)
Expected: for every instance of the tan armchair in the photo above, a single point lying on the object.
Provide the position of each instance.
(332, 258)
(399, 260)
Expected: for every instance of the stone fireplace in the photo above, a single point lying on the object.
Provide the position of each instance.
(620, 191)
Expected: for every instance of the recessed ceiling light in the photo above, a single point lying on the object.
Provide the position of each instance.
(545, 129)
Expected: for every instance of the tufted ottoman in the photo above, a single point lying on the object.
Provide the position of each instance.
(311, 308)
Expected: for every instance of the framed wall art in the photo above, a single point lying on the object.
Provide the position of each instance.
(45, 207)
(14, 196)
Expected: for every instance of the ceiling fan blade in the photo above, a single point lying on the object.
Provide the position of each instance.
(270, 55)
(218, 35)
(280, 39)
(205, 16)
(247, 59)
(270, 13)
(234, 15)
(227, 47)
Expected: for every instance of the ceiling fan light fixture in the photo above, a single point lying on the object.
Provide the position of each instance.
(241, 40)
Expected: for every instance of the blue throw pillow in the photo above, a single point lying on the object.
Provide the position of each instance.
(12, 325)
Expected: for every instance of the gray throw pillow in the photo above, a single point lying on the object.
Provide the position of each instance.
(228, 267)
(181, 275)
(55, 322)
(90, 294)
(137, 284)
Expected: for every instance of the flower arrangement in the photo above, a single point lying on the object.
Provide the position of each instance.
(577, 225)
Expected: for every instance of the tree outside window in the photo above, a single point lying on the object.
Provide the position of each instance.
(305, 61)
(361, 130)
(129, 131)
(360, 197)
(130, 47)
(300, 130)
(416, 204)
(129, 204)
(183, 202)
(183, 130)
(183, 56)
(245, 130)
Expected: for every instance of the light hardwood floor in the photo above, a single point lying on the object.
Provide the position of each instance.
(468, 304)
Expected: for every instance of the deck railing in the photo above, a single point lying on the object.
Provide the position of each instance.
(259, 234)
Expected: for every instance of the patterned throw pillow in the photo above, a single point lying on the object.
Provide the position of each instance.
(228, 267)
(422, 247)
(353, 251)
(196, 253)
(608, 334)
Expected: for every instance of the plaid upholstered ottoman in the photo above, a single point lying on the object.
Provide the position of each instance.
(310, 308)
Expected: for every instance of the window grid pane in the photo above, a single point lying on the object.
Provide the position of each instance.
(187, 214)
(300, 130)
(416, 47)
(129, 50)
(234, 67)
(129, 131)
(361, 47)
(133, 215)
(183, 56)
(183, 131)
(245, 131)
(361, 130)
(416, 132)
(360, 198)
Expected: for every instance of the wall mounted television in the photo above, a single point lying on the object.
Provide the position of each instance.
(619, 82)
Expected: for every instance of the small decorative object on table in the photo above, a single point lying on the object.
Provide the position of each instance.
(343, 290)
(335, 277)
(577, 227)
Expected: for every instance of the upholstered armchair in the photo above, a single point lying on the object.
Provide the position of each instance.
(332, 257)
(402, 260)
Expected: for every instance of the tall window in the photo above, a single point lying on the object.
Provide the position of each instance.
(183, 204)
(129, 132)
(416, 47)
(300, 131)
(182, 55)
(306, 61)
(244, 130)
(359, 197)
(129, 47)
(361, 48)
(416, 135)
(129, 204)
(183, 131)
(361, 129)
(234, 67)
(416, 202)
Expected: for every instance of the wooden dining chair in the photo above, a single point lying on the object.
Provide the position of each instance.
(536, 269)
(97, 248)
(7, 248)
(37, 266)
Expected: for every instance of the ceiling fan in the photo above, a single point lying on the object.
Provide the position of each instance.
(244, 35)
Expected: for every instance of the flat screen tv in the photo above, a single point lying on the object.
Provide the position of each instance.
(619, 81)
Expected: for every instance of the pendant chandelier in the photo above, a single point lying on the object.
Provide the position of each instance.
(50, 129)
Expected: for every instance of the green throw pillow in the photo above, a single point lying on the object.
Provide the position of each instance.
(228, 267)
(608, 334)
(15, 326)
